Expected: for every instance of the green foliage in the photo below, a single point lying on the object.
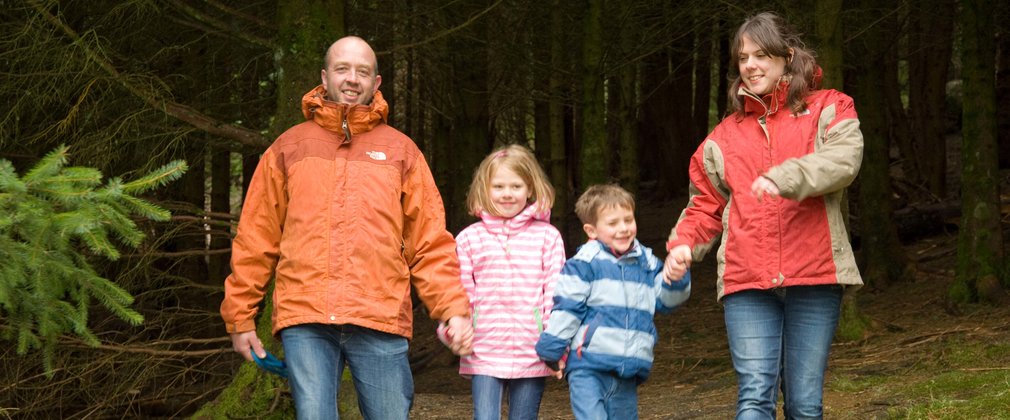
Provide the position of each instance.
(55, 220)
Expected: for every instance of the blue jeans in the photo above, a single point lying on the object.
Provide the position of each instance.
(524, 397)
(781, 336)
(315, 355)
(602, 395)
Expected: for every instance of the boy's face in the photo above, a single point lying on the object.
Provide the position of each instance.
(615, 227)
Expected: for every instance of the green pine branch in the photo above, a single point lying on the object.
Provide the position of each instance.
(52, 221)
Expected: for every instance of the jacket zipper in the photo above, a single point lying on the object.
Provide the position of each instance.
(347, 130)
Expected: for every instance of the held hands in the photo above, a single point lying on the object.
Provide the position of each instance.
(243, 341)
(557, 368)
(762, 186)
(677, 263)
(461, 333)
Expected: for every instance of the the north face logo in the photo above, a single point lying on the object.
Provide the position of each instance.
(376, 155)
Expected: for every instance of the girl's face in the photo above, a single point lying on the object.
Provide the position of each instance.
(509, 193)
(759, 71)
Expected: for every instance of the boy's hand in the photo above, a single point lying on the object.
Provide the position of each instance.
(461, 333)
(677, 263)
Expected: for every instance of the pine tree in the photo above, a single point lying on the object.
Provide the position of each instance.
(54, 222)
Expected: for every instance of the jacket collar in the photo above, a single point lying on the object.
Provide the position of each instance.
(771, 103)
(768, 104)
(501, 225)
(331, 115)
(634, 252)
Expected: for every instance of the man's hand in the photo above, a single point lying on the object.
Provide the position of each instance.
(461, 332)
(244, 341)
(677, 263)
(762, 186)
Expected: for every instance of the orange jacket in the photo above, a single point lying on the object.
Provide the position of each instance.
(345, 214)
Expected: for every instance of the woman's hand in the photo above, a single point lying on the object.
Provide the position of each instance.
(762, 186)
(677, 263)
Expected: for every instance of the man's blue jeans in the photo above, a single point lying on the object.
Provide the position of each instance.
(524, 397)
(602, 395)
(781, 336)
(315, 355)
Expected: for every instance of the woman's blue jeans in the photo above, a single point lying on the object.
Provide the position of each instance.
(315, 356)
(781, 337)
(524, 396)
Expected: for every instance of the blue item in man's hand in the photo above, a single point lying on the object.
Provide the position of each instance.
(271, 364)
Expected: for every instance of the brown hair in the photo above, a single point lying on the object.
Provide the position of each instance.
(776, 38)
(599, 197)
(518, 159)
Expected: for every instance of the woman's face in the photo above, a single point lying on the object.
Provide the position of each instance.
(759, 71)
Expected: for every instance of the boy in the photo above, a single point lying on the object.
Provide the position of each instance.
(604, 303)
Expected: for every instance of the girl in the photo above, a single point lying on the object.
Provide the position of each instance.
(508, 263)
(768, 181)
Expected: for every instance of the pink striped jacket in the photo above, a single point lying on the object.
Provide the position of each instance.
(508, 268)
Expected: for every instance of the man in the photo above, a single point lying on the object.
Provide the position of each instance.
(344, 213)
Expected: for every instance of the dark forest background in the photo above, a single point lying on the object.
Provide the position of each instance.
(603, 91)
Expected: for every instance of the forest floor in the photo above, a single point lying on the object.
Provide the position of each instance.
(919, 359)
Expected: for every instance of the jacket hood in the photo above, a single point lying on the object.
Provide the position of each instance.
(330, 115)
(497, 224)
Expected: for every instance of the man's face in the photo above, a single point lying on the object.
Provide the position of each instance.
(615, 227)
(350, 74)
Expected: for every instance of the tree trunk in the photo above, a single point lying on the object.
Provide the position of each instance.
(702, 82)
(930, 42)
(883, 259)
(980, 239)
(557, 168)
(829, 48)
(1003, 84)
(469, 119)
(594, 164)
(220, 202)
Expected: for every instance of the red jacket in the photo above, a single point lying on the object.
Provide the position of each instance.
(798, 239)
(343, 212)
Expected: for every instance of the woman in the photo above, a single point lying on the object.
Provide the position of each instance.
(768, 183)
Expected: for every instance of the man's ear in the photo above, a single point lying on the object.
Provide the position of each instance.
(590, 230)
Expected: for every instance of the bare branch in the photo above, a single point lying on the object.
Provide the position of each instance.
(179, 111)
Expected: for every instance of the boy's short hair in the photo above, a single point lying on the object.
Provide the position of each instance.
(599, 197)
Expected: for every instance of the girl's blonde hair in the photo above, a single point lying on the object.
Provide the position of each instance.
(770, 32)
(518, 159)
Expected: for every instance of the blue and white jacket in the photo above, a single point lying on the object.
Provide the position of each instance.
(603, 310)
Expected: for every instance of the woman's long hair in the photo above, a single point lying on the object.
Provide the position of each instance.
(776, 38)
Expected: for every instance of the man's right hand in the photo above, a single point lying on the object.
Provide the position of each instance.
(244, 341)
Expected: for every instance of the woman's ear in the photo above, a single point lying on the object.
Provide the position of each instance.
(791, 53)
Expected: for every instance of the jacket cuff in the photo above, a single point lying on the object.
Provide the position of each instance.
(679, 284)
(240, 326)
(675, 242)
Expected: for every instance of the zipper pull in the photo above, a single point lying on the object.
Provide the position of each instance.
(347, 130)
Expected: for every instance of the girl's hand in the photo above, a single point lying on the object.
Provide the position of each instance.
(461, 333)
(560, 373)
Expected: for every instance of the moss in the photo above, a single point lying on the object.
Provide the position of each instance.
(852, 325)
(252, 394)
